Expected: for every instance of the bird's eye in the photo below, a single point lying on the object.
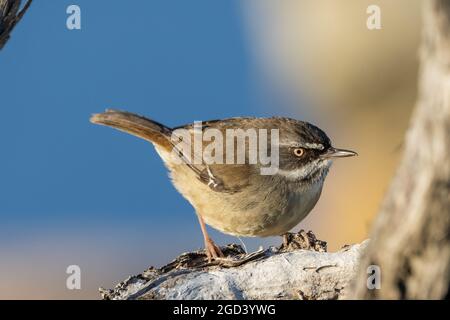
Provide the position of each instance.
(298, 152)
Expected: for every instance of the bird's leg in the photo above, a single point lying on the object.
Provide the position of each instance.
(212, 250)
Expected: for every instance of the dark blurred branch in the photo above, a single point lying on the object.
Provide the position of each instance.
(411, 234)
(9, 17)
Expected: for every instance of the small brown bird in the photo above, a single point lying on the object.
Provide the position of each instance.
(236, 197)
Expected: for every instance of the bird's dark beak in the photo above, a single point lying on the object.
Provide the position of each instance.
(338, 153)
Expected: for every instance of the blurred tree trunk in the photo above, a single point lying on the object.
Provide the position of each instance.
(9, 17)
(410, 237)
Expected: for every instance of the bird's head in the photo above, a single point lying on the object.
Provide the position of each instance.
(306, 152)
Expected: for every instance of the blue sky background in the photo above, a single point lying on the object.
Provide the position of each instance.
(75, 193)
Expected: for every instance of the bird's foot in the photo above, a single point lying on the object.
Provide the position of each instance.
(213, 251)
(237, 260)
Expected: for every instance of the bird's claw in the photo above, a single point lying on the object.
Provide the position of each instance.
(213, 251)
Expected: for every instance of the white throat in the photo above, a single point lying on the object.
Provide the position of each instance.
(305, 171)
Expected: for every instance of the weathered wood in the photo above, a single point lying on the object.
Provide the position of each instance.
(10, 15)
(410, 239)
(299, 269)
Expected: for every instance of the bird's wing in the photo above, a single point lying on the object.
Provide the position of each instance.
(228, 178)
(220, 177)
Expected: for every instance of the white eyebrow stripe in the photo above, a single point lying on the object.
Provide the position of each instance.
(317, 146)
(314, 146)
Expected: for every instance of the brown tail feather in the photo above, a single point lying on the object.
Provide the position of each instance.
(136, 125)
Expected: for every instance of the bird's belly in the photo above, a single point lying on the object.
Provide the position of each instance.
(265, 218)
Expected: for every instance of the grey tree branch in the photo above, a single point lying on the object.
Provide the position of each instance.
(410, 239)
(9, 17)
(299, 269)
